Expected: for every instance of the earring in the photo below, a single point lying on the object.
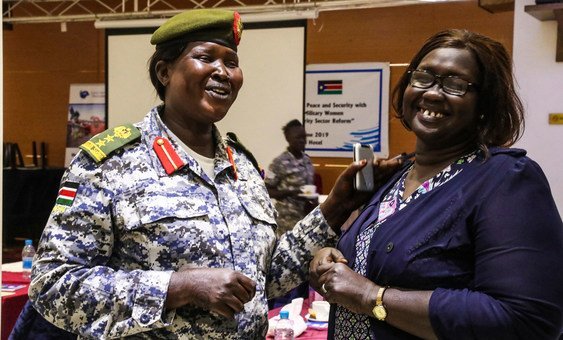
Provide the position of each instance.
(482, 117)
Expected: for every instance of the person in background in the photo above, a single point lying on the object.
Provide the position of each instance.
(165, 229)
(466, 241)
(287, 174)
(284, 178)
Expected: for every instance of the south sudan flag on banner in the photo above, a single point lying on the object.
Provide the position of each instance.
(329, 87)
(67, 193)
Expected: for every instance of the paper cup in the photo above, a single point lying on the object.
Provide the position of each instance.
(322, 309)
(309, 189)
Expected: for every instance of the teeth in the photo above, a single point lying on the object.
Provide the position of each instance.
(428, 113)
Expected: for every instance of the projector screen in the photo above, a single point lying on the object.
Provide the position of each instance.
(272, 57)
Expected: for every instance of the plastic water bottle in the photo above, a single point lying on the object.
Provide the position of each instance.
(284, 327)
(28, 253)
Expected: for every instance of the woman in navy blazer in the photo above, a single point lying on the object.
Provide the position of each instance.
(466, 241)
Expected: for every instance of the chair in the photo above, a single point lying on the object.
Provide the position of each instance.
(12, 156)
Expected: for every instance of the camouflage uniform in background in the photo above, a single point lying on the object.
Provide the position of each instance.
(105, 261)
(289, 173)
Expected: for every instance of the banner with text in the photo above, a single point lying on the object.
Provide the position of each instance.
(86, 116)
(346, 104)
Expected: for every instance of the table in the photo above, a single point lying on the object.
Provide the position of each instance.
(12, 302)
(309, 333)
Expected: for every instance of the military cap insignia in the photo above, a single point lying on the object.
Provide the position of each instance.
(167, 155)
(104, 143)
(237, 28)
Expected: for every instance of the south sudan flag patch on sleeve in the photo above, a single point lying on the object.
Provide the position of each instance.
(67, 193)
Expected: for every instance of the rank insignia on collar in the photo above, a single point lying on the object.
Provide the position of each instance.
(167, 155)
(104, 143)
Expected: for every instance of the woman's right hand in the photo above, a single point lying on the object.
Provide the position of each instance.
(221, 290)
(343, 286)
(323, 257)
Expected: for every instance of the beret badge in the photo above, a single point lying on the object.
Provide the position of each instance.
(237, 28)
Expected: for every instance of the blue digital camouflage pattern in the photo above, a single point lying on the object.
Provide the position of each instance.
(289, 173)
(104, 263)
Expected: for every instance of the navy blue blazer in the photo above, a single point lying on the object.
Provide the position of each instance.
(489, 243)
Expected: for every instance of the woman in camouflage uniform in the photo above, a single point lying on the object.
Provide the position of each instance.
(287, 173)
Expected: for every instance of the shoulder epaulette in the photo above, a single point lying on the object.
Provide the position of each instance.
(104, 143)
(233, 141)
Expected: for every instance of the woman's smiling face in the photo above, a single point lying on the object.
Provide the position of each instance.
(203, 82)
(437, 118)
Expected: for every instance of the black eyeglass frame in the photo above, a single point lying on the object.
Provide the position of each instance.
(440, 79)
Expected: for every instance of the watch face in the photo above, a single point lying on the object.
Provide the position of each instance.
(380, 312)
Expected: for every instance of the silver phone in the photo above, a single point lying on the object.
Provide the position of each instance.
(364, 178)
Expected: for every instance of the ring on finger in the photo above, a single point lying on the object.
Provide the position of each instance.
(323, 289)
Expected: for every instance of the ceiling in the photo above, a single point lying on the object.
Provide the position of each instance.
(43, 11)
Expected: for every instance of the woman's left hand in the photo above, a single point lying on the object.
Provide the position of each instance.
(343, 286)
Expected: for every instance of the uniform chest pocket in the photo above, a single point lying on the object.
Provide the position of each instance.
(262, 218)
(160, 209)
(159, 230)
(257, 203)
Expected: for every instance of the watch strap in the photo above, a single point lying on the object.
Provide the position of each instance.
(379, 310)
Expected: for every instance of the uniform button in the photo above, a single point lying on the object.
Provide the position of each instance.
(389, 247)
(145, 318)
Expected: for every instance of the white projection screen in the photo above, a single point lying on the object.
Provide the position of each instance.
(272, 57)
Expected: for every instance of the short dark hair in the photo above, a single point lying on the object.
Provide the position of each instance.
(502, 110)
(168, 53)
(291, 124)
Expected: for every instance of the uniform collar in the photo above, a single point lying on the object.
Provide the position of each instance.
(156, 129)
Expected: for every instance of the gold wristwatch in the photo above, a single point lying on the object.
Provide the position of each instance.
(379, 310)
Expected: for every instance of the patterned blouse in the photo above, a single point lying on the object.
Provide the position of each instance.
(349, 325)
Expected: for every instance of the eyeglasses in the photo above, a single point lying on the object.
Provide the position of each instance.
(450, 84)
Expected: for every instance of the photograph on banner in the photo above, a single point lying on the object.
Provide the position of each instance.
(86, 116)
(346, 104)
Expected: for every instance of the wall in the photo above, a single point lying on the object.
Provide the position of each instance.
(541, 81)
(40, 63)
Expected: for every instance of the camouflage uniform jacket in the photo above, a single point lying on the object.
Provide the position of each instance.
(104, 263)
(289, 173)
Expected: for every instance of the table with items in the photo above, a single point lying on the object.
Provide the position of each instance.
(14, 295)
(307, 327)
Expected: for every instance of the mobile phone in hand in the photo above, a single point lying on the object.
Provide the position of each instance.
(364, 178)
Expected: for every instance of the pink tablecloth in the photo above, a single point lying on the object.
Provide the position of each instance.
(12, 304)
(310, 333)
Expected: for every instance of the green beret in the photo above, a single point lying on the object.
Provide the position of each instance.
(216, 25)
